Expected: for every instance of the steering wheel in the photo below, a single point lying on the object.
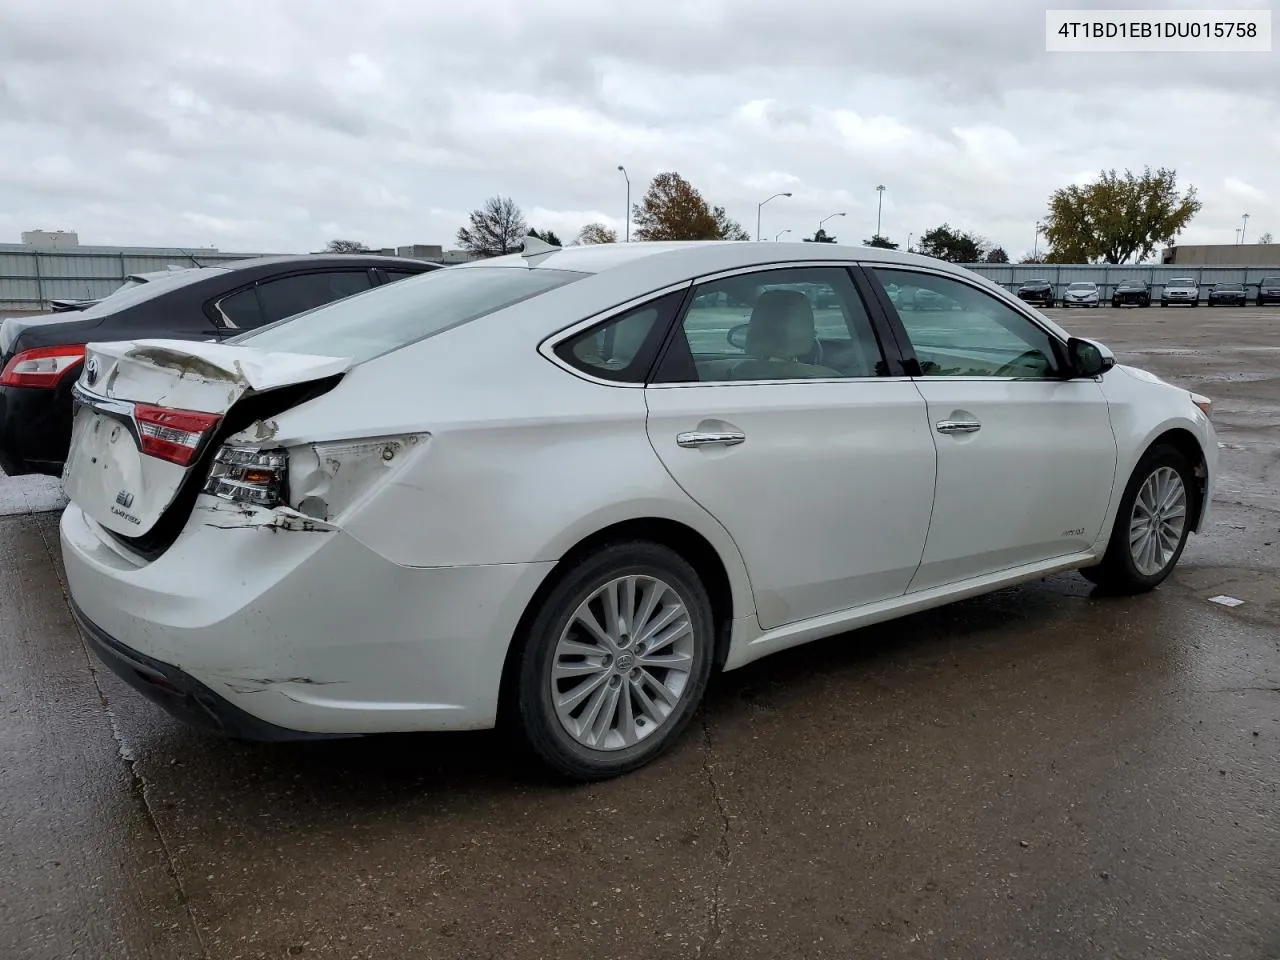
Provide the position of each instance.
(1015, 367)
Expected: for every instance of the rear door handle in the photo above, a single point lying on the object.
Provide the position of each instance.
(958, 426)
(699, 438)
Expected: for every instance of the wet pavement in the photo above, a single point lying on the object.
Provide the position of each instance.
(1037, 773)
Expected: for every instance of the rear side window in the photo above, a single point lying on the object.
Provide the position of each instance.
(241, 310)
(623, 348)
(306, 291)
(396, 314)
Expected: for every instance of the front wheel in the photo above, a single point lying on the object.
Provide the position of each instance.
(1152, 524)
(615, 661)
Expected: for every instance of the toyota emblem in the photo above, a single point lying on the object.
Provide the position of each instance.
(91, 371)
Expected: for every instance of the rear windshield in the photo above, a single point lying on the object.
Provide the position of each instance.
(131, 294)
(394, 315)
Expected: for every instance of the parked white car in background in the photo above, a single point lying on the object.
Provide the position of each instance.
(549, 490)
(1081, 294)
(1180, 290)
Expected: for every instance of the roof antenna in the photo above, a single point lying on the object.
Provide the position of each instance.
(535, 247)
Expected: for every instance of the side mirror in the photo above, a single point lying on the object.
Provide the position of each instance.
(737, 336)
(1089, 358)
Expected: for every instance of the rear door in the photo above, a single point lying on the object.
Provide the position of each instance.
(1026, 458)
(795, 437)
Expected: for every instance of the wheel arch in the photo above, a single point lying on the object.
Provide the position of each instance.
(683, 539)
(1187, 444)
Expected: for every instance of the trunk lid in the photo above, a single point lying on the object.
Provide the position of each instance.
(148, 410)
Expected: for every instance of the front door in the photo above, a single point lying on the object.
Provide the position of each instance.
(768, 411)
(1026, 458)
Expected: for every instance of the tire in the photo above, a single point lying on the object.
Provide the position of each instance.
(543, 730)
(1145, 303)
(1119, 572)
(1164, 303)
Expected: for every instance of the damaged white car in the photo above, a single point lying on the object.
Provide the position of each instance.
(558, 489)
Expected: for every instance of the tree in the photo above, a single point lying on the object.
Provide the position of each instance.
(1118, 217)
(597, 233)
(673, 210)
(345, 246)
(1032, 258)
(547, 236)
(496, 228)
(954, 246)
(884, 243)
(819, 236)
(1265, 238)
(996, 255)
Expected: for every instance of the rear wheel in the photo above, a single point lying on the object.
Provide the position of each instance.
(615, 661)
(1152, 524)
(1164, 303)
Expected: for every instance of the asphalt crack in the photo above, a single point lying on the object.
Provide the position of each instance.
(137, 782)
(716, 920)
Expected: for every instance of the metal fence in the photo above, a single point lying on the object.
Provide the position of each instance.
(30, 278)
(1106, 276)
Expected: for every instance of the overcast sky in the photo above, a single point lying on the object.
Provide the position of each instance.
(261, 125)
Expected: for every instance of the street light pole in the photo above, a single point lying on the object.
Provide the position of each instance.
(879, 204)
(1237, 236)
(1243, 226)
(628, 179)
(909, 236)
(760, 206)
(779, 236)
(1035, 245)
(824, 220)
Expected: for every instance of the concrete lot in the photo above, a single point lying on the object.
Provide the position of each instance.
(1038, 773)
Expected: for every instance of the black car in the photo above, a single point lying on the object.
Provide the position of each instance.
(1133, 292)
(41, 356)
(1268, 291)
(1037, 291)
(1227, 295)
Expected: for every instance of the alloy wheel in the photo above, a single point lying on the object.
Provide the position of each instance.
(1158, 521)
(622, 663)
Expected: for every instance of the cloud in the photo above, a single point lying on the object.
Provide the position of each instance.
(244, 125)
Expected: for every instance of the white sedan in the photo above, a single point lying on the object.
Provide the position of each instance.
(558, 489)
(1080, 294)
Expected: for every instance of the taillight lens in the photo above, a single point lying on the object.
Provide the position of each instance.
(41, 366)
(247, 475)
(173, 435)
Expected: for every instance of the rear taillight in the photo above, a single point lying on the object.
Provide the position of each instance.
(246, 475)
(41, 366)
(173, 435)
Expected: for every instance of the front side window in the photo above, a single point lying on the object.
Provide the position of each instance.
(961, 331)
(397, 314)
(800, 323)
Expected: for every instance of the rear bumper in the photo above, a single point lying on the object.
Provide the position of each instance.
(181, 694)
(269, 633)
(35, 429)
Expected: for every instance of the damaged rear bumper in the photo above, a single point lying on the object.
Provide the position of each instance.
(181, 694)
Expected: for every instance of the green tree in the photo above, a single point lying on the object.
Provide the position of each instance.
(493, 229)
(996, 255)
(1118, 217)
(597, 233)
(884, 243)
(820, 236)
(673, 210)
(954, 246)
(547, 236)
(345, 246)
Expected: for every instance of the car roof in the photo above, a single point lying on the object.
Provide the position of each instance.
(327, 259)
(685, 258)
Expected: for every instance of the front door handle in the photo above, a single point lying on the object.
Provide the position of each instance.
(958, 426)
(700, 438)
